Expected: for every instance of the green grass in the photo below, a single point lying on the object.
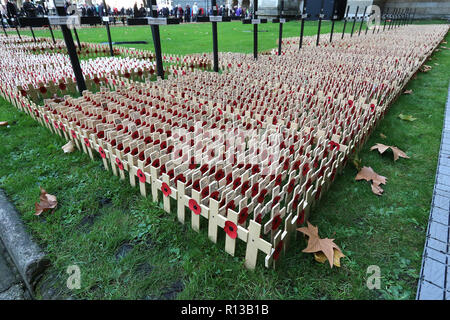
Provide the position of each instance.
(97, 213)
(197, 38)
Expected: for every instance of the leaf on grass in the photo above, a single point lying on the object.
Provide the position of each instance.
(406, 117)
(68, 147)
(320, 257)
(47, 202)
(382, 136)
(425, 68)
(396, 151)
(3, 123)
(367, 173)
(319, 247)
(407, 92)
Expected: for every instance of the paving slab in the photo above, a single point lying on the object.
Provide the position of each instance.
(434, 280)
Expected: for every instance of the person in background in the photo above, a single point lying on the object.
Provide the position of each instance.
(180, 13)
(187, 14)
(29, 9)
(194, 12)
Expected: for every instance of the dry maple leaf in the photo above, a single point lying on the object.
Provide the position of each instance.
(317, 245)
(68, 147)
(47, 202)
(3, 123)
(406, 117)
(367, 173)
(377, 189)
(396, 151)
(320, 257)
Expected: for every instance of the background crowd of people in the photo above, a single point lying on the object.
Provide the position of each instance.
(9, 10)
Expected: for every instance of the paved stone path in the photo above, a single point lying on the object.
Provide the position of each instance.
(11, 286)
(434, 283)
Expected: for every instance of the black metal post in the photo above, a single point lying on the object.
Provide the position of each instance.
(78, 39)
(108, 31)
(16, 25)
(333, 19)
(68, 39)
(354, 21)
(255, 30)
(4, 29)
(302, 27)
(51, 32)
(32, 33)
(280, 30)
(156, 40)
(345, 22)
(362, 21)
(320, 23)
(215, 42)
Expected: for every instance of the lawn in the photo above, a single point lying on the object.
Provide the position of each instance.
(127, 247)
(197, 37)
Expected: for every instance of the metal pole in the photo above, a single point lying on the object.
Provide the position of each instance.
(17, 28)
(333, 19)
(354, 20)
(215, 42)
(320, 24)
(255, 31)
(156, 40)
(345, 22)
(72, 52)
(280, 30)
(51, 32)
(32, 33)
(302, 28)
(111, 51)
(4, 29)
(76, 36)
(362, 21)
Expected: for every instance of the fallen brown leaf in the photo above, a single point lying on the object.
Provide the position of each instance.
(368, 174)
(396, 151)
(321, 258)
(325, 246)
(407, 92)
(47, 202)
(382, 136)
(68, 147)
(3, 123)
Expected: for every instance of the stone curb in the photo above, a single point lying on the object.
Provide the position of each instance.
(27, 256)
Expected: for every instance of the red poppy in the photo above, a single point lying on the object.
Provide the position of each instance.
(195, 208)
(243, 215)
(141, 176)
(23, 93)
(295, 202)
(196, 185)
(220, 174)
(276, 222)
(262, 195)
(87, 142)
(119, 163)
(301, 218)
(245, 186)
(215, 195)
(334, 145)
(96, 80)
(46, 118)
(275, 201)
(229, 178)
(255, 189)
(205, 192)
(165, 189)
(278, 180)
(278, 249)
(204, 168)
(102, 152)
(230, 205)
(236, 183)
(181, 178)
(305, 169)
(74, 135)
(43, 90)
(258, 218)
(230, 229)
(291, 186)
(319, 190)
